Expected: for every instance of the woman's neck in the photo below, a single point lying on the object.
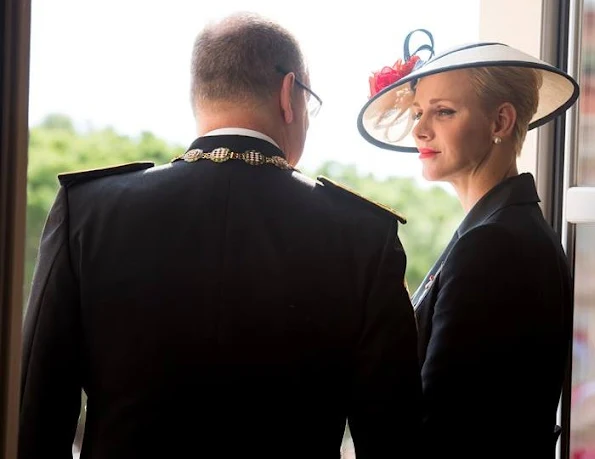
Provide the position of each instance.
(472, 187)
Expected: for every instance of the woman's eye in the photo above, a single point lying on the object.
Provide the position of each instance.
(445, 112)
(417, 116)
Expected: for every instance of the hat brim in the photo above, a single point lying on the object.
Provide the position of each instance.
(386, 120)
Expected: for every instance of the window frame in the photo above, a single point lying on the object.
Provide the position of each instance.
(14, 78)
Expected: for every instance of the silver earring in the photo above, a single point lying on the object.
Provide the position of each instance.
(497, 140)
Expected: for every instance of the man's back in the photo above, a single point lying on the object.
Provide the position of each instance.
(222, 309)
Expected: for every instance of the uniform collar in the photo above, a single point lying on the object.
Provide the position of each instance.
(241, 131)
(516, 190)
(237, 143)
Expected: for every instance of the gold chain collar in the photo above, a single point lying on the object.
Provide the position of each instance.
(221, 155)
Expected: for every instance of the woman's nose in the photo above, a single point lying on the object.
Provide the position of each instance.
(422, 130)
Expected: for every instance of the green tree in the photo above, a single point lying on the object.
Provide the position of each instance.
(58, 121)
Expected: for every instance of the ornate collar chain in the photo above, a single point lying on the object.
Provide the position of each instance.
(221, 155)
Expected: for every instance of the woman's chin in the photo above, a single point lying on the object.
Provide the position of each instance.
(430, 175)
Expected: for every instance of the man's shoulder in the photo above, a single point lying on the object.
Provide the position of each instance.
(344, 195)
(72, 178)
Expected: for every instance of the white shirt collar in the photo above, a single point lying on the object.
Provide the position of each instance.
(241, 131)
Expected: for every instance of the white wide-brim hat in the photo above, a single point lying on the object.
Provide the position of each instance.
(386, 119)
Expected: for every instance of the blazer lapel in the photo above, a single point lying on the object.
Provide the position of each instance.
(424, 298)
(430, 278)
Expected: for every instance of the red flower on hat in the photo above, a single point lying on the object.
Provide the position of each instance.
(389, 75)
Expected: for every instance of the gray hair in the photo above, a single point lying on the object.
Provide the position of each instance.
(238, 57)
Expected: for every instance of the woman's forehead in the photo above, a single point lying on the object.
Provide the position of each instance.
(454, 85)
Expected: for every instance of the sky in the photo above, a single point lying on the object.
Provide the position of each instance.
(126, 63)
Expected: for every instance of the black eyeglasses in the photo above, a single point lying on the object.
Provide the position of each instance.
(314, 102)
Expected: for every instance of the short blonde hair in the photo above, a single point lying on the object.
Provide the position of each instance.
(516, 85)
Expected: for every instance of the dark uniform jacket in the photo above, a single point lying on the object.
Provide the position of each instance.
(218, 310)
(494, 317)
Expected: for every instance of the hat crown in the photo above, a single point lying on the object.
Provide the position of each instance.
(481, 55)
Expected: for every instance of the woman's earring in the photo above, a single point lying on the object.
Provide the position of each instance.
(497, 140)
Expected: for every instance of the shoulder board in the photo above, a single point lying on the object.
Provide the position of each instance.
(71, 178)
(342, 189)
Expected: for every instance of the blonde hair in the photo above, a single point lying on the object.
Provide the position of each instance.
(516, 85)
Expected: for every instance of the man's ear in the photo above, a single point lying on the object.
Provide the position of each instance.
(505, 121)
(285, 97)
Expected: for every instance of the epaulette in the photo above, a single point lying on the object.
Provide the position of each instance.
(70, 178)
(343, 190)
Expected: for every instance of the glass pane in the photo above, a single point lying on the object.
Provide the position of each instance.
(586, 151)
(582, 436)
(582, 440)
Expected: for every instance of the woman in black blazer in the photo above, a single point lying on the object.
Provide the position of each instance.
(494, 312)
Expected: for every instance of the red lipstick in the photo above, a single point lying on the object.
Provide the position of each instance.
(427, 153)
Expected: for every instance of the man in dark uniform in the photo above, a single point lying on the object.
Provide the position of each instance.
(222, 305)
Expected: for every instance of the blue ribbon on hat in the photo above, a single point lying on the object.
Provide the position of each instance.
(427, 47)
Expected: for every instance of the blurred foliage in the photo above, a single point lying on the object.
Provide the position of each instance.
(55, 146)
